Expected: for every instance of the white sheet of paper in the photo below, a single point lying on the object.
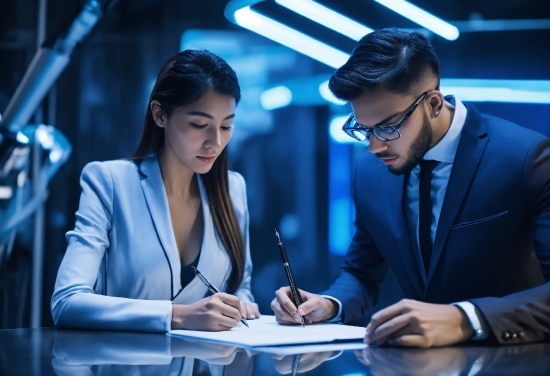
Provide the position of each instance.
(267, 332)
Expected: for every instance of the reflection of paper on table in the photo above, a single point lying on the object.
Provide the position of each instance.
(311, 348)
(267, 332)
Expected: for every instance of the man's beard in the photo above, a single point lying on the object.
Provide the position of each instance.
(418, 148)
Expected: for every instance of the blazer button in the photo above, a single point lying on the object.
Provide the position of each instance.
(506, 335)
(521, 334)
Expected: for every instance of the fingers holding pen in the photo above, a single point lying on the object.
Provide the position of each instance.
(217, 312)
(284, 308)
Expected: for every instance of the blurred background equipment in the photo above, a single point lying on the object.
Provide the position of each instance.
(29, 157)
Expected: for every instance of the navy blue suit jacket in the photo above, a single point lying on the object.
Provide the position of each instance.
(495, 212)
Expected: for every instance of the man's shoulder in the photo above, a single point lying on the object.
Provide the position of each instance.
(510, 132)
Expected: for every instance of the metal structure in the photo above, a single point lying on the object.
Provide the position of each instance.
(31, 154)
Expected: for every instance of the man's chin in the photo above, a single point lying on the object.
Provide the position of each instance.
(401, 170)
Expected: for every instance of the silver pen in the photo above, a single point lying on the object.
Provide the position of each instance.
(213, 289)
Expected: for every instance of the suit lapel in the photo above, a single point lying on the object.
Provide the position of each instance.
(471, 147)
(157, 203)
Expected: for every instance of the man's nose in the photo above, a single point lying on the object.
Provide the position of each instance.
(376, 145)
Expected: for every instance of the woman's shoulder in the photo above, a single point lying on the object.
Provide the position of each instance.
(119, 168)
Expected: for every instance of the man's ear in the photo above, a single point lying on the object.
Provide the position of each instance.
(158, 113)
(436, 104)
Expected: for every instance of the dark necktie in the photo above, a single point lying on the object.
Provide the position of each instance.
(425, 211)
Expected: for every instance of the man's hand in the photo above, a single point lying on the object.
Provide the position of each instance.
(314, 308)
(416, 324)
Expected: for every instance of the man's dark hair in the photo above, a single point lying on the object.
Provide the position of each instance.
(392, 58)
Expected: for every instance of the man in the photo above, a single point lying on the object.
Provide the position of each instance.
(459, 238)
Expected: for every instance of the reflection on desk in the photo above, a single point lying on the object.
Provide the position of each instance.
(532, 359)
(49, 351)
(76, 352)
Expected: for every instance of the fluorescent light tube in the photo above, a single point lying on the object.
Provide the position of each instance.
(486, 90)
(276, 97)
(327, 17)
(269, 28)
(422, 18)
(327, 95)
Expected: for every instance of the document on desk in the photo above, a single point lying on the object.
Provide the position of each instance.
(267, 332)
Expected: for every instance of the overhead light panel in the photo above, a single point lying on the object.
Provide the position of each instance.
(421, 17)
(327, 17)
(280, 33)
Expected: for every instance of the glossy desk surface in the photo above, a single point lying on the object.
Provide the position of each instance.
(48, 351)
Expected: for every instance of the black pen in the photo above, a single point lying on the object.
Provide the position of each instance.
(289, 275)
(212, 288)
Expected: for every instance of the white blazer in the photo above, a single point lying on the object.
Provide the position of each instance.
(122, 269)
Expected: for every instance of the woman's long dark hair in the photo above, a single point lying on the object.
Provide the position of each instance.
(182, 80)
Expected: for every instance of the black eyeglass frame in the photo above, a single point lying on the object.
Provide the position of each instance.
(356, 127)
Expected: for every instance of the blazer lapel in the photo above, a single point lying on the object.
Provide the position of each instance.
(157, 203)
(471, 147)
(213, 261)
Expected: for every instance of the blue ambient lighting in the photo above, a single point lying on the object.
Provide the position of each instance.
(422, 18)
(327, 17)
(276, 97)
(341, 210)
(336, 132)
(269, 28)
(327, 95)
(514, 91)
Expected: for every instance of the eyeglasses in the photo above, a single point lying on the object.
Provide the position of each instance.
(384, 133)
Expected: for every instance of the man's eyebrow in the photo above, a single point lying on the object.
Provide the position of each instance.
(383, 122)
(204, 114)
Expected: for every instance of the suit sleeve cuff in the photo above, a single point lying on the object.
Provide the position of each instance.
(470, 310)
(338, 317)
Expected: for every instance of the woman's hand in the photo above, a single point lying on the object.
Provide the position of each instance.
(218, 312)
(250, 311)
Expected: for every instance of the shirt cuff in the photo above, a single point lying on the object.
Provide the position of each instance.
(338, 317)
(470, 310)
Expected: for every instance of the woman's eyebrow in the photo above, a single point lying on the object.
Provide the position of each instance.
(204, 114)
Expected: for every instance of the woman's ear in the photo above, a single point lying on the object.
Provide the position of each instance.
(158, 113)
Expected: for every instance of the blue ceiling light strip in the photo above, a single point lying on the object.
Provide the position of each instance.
(327, 17)
(421, 17)
(250, 19)
(512, 91)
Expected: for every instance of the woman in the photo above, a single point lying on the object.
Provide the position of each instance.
(143, 223)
